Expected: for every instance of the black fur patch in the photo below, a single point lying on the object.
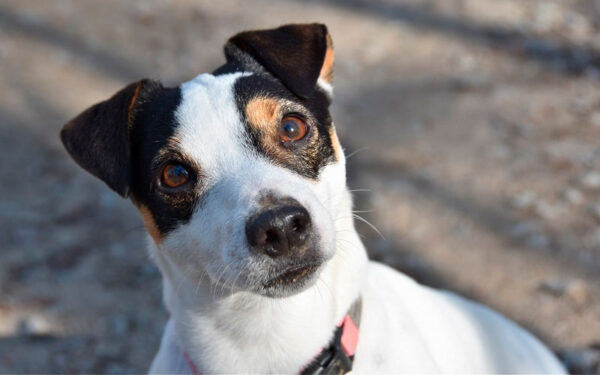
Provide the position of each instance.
(292, 53)
(125, 141)
(285, 63)
(152, 147)
(307, 158)
(98, 139)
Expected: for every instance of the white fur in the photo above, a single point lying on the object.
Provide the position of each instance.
(326, 87)
(226, 329)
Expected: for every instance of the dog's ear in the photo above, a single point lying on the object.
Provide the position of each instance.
(298, 54)
(98, 139)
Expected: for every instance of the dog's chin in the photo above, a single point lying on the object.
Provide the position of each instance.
(291, 280)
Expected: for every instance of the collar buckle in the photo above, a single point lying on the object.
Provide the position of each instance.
(338, 357)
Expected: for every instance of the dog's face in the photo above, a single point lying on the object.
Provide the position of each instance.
(238, 174)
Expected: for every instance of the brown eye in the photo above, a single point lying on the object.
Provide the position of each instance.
(175, 175)
(292, 129)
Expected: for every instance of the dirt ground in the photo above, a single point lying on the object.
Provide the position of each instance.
(473, 128)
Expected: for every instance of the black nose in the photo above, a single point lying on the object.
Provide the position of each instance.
(280, 230)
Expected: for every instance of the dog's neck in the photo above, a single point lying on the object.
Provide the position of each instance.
(224, 331)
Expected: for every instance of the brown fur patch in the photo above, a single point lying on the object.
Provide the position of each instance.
(134, 99)
(335, 144)
(262, 114)
(150, 224)
(327, 68)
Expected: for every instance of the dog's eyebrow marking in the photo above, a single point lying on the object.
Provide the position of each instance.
(262, 114)
(262, 102)
(150, 224)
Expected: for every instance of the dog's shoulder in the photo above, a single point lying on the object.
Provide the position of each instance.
(416, 328)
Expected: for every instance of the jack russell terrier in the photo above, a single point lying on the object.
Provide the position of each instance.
(240, 180)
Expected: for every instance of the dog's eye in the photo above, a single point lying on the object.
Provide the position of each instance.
(174, 175)
(292, 129)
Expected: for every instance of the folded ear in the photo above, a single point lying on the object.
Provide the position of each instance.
(298, 54)
(98, 139)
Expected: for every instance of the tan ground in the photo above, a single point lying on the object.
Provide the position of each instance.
(474, 128)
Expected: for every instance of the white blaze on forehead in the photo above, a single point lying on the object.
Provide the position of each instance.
(210, 131)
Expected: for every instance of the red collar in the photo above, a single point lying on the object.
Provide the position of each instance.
(190, 363)
(337, 356)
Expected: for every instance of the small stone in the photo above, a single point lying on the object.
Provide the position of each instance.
(573, 196)
(577, 293)
(146, 14)
(523, 200)
(591, 181)
(547, 16)
(545, 210)
(34, 325)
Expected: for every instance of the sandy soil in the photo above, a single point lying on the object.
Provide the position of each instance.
(473, 127)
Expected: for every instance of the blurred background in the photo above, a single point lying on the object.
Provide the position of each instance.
(472, 127)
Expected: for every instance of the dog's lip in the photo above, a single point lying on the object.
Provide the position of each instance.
(292, 275)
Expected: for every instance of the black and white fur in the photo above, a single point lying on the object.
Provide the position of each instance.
(225, 313)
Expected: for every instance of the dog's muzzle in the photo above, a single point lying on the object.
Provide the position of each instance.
(280, 230)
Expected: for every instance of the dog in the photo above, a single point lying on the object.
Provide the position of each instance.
(240, 180)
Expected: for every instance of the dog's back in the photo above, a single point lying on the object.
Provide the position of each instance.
(411, 328)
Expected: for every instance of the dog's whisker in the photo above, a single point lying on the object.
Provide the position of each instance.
(369, 224)
(215, 283)
(347, 246)
(344, 247)
(318, 289)
(201, 278)
(233, 284)
(220, 284)
(357, 151)
(326, 287)
(352, 231)
(359, 190)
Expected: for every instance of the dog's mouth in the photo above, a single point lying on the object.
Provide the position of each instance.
(292, 275)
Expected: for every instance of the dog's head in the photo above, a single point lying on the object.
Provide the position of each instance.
(238, 174)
